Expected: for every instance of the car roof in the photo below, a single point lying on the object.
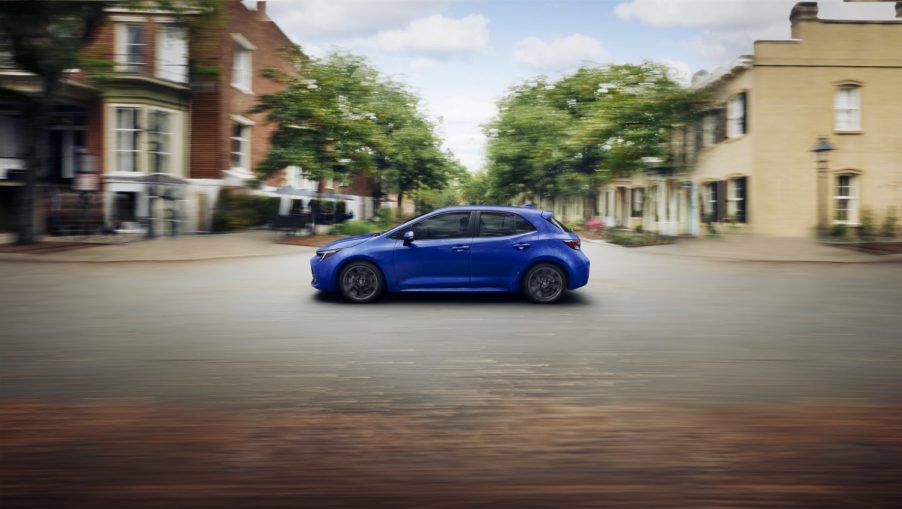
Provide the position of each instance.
(496, 208)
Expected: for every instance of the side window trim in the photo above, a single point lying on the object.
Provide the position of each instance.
(471, 225)
(477, 225)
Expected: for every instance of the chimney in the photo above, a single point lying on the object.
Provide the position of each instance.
(802, 11)
(261, 8)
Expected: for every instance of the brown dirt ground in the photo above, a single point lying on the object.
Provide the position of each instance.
(526, 453)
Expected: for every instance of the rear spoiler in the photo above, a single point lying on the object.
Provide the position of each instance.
(546, 214)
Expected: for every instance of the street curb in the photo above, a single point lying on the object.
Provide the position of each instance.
(884, 259)
(12, 257)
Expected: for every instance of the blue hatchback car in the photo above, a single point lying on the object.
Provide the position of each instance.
(457, 249)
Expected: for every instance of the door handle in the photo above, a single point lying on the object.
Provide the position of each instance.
(460, 248)
(520, 246)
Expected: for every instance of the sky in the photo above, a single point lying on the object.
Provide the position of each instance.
(461, 56)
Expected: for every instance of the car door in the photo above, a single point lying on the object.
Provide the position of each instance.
(438, 257)
(501, 249)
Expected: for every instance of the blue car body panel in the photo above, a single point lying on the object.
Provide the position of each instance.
(467, 262)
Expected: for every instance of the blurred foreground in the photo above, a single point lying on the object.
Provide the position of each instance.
(668, 381)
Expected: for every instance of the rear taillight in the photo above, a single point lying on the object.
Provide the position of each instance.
(572, 244)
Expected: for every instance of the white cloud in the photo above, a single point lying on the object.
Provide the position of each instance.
(739, 13)
(679, 70)
(462, 118)
(438, 36)
(729, 27)
(703, 13)
(561, 53)
(314, 19)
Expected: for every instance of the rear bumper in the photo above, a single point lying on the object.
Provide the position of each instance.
(579, 272)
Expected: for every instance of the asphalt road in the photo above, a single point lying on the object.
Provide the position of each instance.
(666, 381)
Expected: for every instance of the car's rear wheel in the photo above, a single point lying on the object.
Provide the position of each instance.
(544, 283)
(360, 282)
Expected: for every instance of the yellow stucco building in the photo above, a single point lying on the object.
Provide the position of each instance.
(749, 161)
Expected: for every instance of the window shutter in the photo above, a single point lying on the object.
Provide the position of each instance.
(721, 201)
(744, 111)
(720, 127)
(699, 136)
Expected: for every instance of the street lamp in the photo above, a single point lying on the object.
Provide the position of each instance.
(822, 152)
(153, 187)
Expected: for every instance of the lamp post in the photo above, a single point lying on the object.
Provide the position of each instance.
(153, 188)
(822, 153)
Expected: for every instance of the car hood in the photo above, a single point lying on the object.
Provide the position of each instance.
(348, 241)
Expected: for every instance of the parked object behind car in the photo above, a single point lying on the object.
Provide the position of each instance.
(457, 249)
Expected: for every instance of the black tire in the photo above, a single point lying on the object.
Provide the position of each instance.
(360, 282)
(544, 283)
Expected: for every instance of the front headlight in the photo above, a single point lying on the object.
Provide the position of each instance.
(326, 253)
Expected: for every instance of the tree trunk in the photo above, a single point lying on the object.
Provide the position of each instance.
(400, 202)
(37, 162)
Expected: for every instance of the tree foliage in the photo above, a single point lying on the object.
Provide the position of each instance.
(565, 137)
(339, 116)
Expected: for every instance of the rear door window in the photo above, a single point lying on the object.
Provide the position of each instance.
(502, 224)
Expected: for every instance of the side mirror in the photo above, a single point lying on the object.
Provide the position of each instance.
(408, 237)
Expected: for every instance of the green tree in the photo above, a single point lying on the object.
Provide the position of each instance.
(45, 39)
(338, 116)
(564, 138)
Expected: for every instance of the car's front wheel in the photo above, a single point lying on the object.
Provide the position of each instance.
(544, 283)
(360, 282)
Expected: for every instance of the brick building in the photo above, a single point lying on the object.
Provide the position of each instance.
(171, 121)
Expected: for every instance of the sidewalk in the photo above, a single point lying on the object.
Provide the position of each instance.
(168, 249)
(761, 248)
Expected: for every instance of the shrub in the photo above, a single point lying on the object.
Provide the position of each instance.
(839, 231)
(236, 211)
(889, 225)
(356, 228)
(866, 227)
(638, 228)
(383, 217)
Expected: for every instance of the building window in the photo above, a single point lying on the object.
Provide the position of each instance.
(240, 146)
(172, 54)
(637, 201)
(242, 68)
(737, 203)
(160, 141)
(736, 116)
(128, 133)
(146, 140)
(130, 48)
(844, 200)
(711, 202)
(708, 130)
(848, 108)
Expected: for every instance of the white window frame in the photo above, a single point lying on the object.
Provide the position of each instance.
(736, 117)
(244, 140)
(172, 53)
(847, 108)
(243, 64)
(135, 150)
(173, 141)
(709, 128)
(850, 199)
(123, 63)
(734, 200)
(165, 148)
